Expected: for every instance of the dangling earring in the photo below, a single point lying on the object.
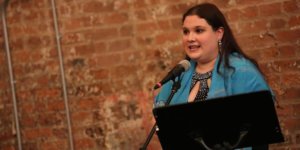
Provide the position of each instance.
(220, 46)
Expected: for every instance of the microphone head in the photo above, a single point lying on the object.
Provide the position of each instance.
(185, 64)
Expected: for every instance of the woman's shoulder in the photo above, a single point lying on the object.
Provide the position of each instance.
(239, 61)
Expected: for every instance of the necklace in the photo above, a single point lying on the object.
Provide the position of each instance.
(203, 90)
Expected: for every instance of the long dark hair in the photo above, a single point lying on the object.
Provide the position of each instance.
(216, 19)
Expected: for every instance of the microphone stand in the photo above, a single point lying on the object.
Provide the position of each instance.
(175, 87)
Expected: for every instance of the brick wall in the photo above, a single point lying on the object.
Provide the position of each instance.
(113, 53)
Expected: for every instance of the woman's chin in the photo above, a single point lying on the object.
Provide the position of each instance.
(194, 57)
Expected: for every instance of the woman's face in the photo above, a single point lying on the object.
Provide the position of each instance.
(200, 41)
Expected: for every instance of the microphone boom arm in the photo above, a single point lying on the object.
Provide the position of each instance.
(175, 88)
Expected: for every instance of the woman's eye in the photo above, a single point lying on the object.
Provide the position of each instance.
(185, 32)
(199, 30)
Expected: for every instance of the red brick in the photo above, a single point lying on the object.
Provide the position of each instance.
(25, 95)
(81, 117)
(147, 28)
(277, 23)
(108, 60)
(176, 23)
(3, 84)
(56, 106)
(267, 68)
(294, 22)
(270, 53)
(167, 37)
(248, 12)
(253, 2)
(60, 133)
(297, 137)
(141, 15)
(61, 144)
(13, 18)
(286, 66)
(64, 10)
(252, 27)
(291, 6)
(48, 93)
(144, 40)
(232, 15)
(257, 41)
(52, 65)
(120, 72)
(139, 3)
(288, 51)
(126, 31)
(84, 143)
(30, 145)
(87, 104)
(100, 74)
(27, 108)
(92, 21)
(67, 10)
(97, 7)
(28, 121)
(178, 9)
(7, 147)
(85, 50)
(164, 25)
(37, 56)
(116, 18)
(100, 47)
(16, 44)
(288, 35)
(40, 106)
(75, 23)
(132, 57)
(43, 81)
(17, 31)
(31, 15)
(39, 28)
(296, 110)
(291, 79)
(270, 9)
(5, 135)
(35, 4)
(35, 42)
(122, 5)
(292, 93)
(46, 119)
(120, 45)
(285, 111)
(36, 133)
(21, 57)
(102, 34)
(293, 124)
(153, 27)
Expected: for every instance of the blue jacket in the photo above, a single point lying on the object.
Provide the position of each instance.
(244, 78)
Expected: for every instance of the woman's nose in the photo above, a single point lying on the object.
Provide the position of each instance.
(191, 37)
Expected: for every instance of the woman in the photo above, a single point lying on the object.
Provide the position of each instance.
(219, 67)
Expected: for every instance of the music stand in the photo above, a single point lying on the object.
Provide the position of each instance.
(234, 122)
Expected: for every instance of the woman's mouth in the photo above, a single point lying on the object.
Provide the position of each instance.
(193, 47)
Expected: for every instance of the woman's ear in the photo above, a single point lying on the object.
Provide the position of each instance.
(220, 33)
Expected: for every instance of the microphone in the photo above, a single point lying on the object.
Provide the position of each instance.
(182, 66)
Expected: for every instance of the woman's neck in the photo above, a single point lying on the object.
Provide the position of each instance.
(205, 67)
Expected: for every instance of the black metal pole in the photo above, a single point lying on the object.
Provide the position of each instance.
(175, 87)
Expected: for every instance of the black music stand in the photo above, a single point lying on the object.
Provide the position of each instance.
(232, 122)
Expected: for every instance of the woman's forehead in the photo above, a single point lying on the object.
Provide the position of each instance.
(193, 21)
